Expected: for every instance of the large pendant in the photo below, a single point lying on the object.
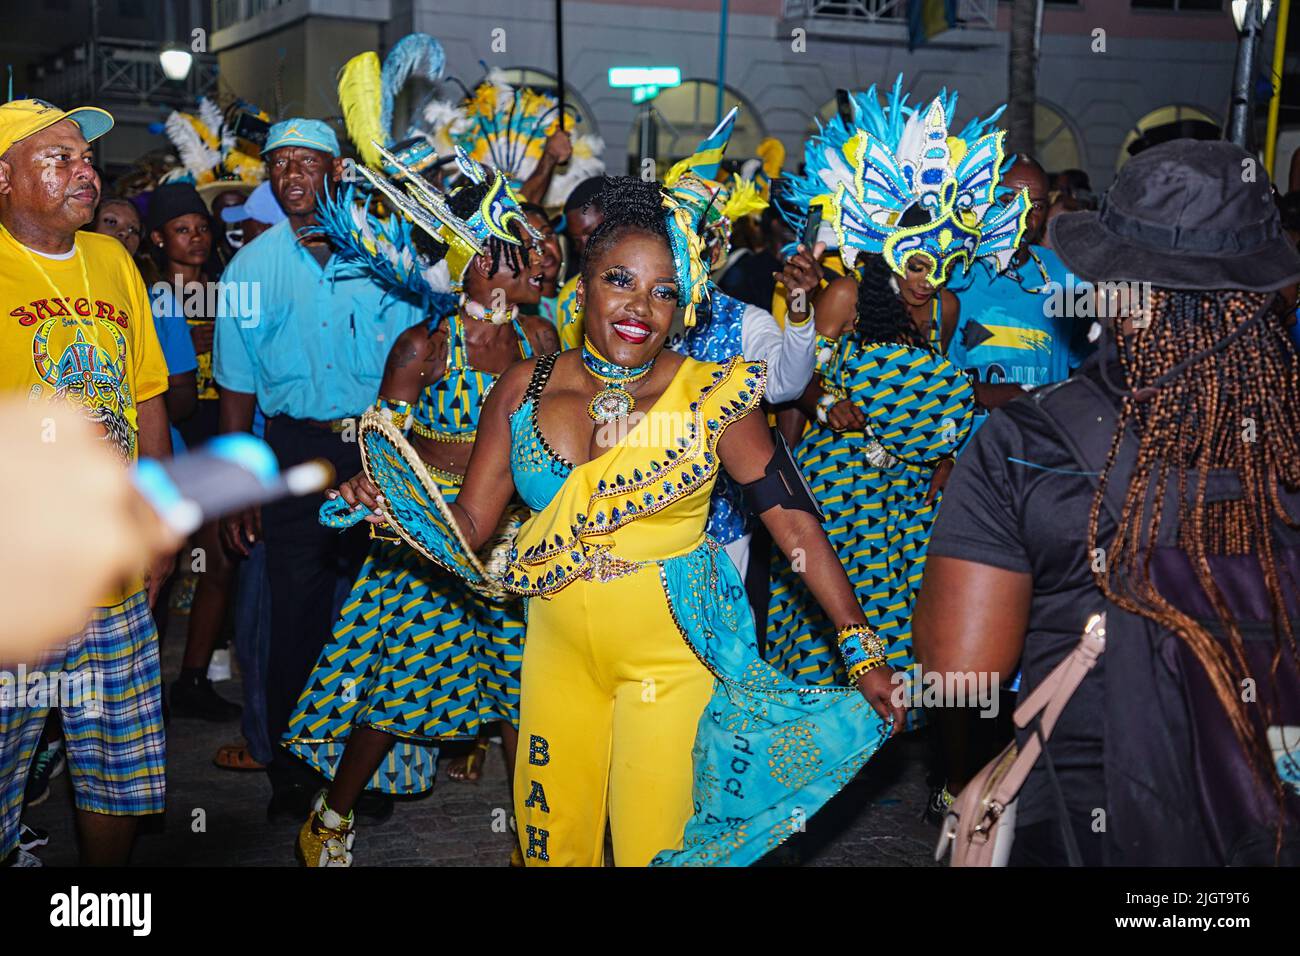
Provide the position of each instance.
(611, 404)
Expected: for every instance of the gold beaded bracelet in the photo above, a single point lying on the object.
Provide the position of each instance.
(873, 645)
(865, 667)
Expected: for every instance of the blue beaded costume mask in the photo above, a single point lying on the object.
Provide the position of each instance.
(897, 160)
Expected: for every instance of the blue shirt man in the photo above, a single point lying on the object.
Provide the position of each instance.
(306, 339)
(1016, 325)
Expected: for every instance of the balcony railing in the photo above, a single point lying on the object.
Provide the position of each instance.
(125, 71)
(230, 12)
(971, 14)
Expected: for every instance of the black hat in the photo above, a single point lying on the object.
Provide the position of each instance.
(1186, 214)
(171, 200)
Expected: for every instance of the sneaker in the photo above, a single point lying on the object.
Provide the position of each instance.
(219, 666)
(48, 763)
(29, 838)
(197, 699)
(21, 857)
(326, 838)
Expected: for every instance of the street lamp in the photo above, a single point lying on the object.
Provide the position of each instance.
(1239, 12)
(1249, 16)
(175, 61)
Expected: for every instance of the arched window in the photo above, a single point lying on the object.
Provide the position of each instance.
(541, 82)
(1056, 143)
(1168, 122)
(681, 116)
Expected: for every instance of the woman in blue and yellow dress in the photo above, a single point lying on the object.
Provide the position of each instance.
(645, 703)
(416, 655)
(886, 411)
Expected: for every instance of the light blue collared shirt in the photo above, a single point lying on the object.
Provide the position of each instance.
(309, 342)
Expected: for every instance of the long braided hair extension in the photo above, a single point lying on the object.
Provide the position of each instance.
(1207, 415)
(881, 314)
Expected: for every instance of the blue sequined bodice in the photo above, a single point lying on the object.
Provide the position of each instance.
(537, 470)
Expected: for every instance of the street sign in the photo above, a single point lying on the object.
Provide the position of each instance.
(633, 76)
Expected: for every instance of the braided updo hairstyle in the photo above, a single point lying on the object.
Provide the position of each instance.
(463, 202)
(1198, 400)
(629, 204)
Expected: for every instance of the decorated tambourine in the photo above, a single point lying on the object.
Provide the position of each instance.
(918, 405)
(416, 509)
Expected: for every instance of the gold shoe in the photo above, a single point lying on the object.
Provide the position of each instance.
(326, 838)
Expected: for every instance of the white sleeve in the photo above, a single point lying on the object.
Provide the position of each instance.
(788, 353)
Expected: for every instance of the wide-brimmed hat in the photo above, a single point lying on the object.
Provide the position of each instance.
(1186, 214)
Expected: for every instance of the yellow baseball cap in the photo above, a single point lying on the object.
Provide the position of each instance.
(22, 118)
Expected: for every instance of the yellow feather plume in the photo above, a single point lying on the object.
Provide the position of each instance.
(361, 96)
(745, 199)
(200, 127)
(678, 170)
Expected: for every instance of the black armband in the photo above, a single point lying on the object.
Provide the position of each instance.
(782, 484)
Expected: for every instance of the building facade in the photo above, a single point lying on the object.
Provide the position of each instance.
(1108, 68)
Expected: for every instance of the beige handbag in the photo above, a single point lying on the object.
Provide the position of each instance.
(981, 823)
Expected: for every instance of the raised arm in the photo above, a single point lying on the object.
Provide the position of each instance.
(835, 312)
(746, 449)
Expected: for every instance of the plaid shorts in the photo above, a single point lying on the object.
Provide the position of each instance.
(107, 685)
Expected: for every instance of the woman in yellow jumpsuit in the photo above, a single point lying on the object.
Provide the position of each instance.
(644, 700)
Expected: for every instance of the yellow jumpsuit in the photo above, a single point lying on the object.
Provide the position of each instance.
(611, 692)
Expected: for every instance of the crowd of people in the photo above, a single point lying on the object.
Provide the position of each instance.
(677, 489)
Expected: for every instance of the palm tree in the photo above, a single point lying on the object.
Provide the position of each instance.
(1022, 75)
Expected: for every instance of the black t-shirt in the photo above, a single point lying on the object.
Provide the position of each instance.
(1019, 501)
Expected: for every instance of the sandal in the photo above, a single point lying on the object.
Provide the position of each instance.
(236, 757)
(470, 767)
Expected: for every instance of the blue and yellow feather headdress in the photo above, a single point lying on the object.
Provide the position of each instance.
(368, 90)
(384, 244)
(506, 128)
(696, 182)
(897, 159)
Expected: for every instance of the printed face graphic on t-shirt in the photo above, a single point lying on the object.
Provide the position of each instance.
(79, 354)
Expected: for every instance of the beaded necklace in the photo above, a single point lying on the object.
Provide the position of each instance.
(613, 401)
(476, 310)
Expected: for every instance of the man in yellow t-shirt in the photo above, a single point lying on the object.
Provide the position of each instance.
(76, 328)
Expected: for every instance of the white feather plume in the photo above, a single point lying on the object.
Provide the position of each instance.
(195, 155)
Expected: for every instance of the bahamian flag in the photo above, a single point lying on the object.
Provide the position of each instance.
(929, 18)
(706, 159)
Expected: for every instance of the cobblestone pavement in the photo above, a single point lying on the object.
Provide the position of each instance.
(218, 817)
